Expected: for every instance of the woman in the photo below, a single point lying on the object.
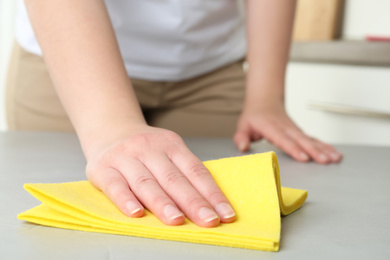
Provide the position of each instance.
(132, 76)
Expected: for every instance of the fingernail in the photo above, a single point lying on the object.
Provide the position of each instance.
(303, 156)
(207, 214)
(242, 147)
(225, 210)
(335, 156)
(323, 157)
(171, 212)
(132, 207)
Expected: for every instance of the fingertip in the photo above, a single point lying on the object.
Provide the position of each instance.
(177, 221)
(243, 146)
(173, 216)
(117, 190)
(336, 157)
(303, 157)
(322, 159)
(134, 209)
(207, 218)
(225, 212)
(241, 140)
(230, 219)
(211, 223)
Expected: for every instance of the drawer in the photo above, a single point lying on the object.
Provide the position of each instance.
(340, 104)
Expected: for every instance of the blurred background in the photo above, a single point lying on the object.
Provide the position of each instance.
(338, 79)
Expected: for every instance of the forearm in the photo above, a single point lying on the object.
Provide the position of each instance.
(83, 58)
(269, 27)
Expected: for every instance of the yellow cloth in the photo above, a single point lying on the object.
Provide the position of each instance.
(251, 183)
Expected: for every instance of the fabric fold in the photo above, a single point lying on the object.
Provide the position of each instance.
(250, 182)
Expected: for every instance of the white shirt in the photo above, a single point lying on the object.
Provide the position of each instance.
(167, 40)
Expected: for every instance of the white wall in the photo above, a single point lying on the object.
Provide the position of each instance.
(363, 17)
(7, 23)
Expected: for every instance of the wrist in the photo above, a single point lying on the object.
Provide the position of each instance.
(264, 92)
(101, 136)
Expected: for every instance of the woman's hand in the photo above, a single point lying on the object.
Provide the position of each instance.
(152, 167)
(264, 115)
(273, 124)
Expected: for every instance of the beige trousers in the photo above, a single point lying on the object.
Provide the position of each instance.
(206, 106)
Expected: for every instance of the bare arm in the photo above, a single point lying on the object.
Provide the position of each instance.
(269, 28)
(269, 25)
(134, 164)
(81, 52)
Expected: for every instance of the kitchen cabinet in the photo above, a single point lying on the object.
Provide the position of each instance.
(340, 103)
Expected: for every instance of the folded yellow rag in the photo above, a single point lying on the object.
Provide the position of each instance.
(251, 183)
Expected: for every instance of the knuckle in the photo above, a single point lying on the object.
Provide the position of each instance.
(197, 171)
(289, 143)
(111, 189)
(119, 194)
(300, 137)
(128, 147)
(95, 166)
(172, 139)
(136, 140)
(160, 199)
(174, 178)
(98, 175)
(216, 196)
(172, 136)
(142, 180)
(194, 201)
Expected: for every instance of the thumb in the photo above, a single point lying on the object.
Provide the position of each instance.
(242, 138)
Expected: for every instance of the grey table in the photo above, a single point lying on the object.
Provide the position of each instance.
(346, 216)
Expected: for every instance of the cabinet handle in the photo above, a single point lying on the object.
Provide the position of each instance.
(347, 110)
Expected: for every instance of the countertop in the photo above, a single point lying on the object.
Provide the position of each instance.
(345, 52)
(346, 216)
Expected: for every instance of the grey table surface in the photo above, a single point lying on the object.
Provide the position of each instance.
(346, 216)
